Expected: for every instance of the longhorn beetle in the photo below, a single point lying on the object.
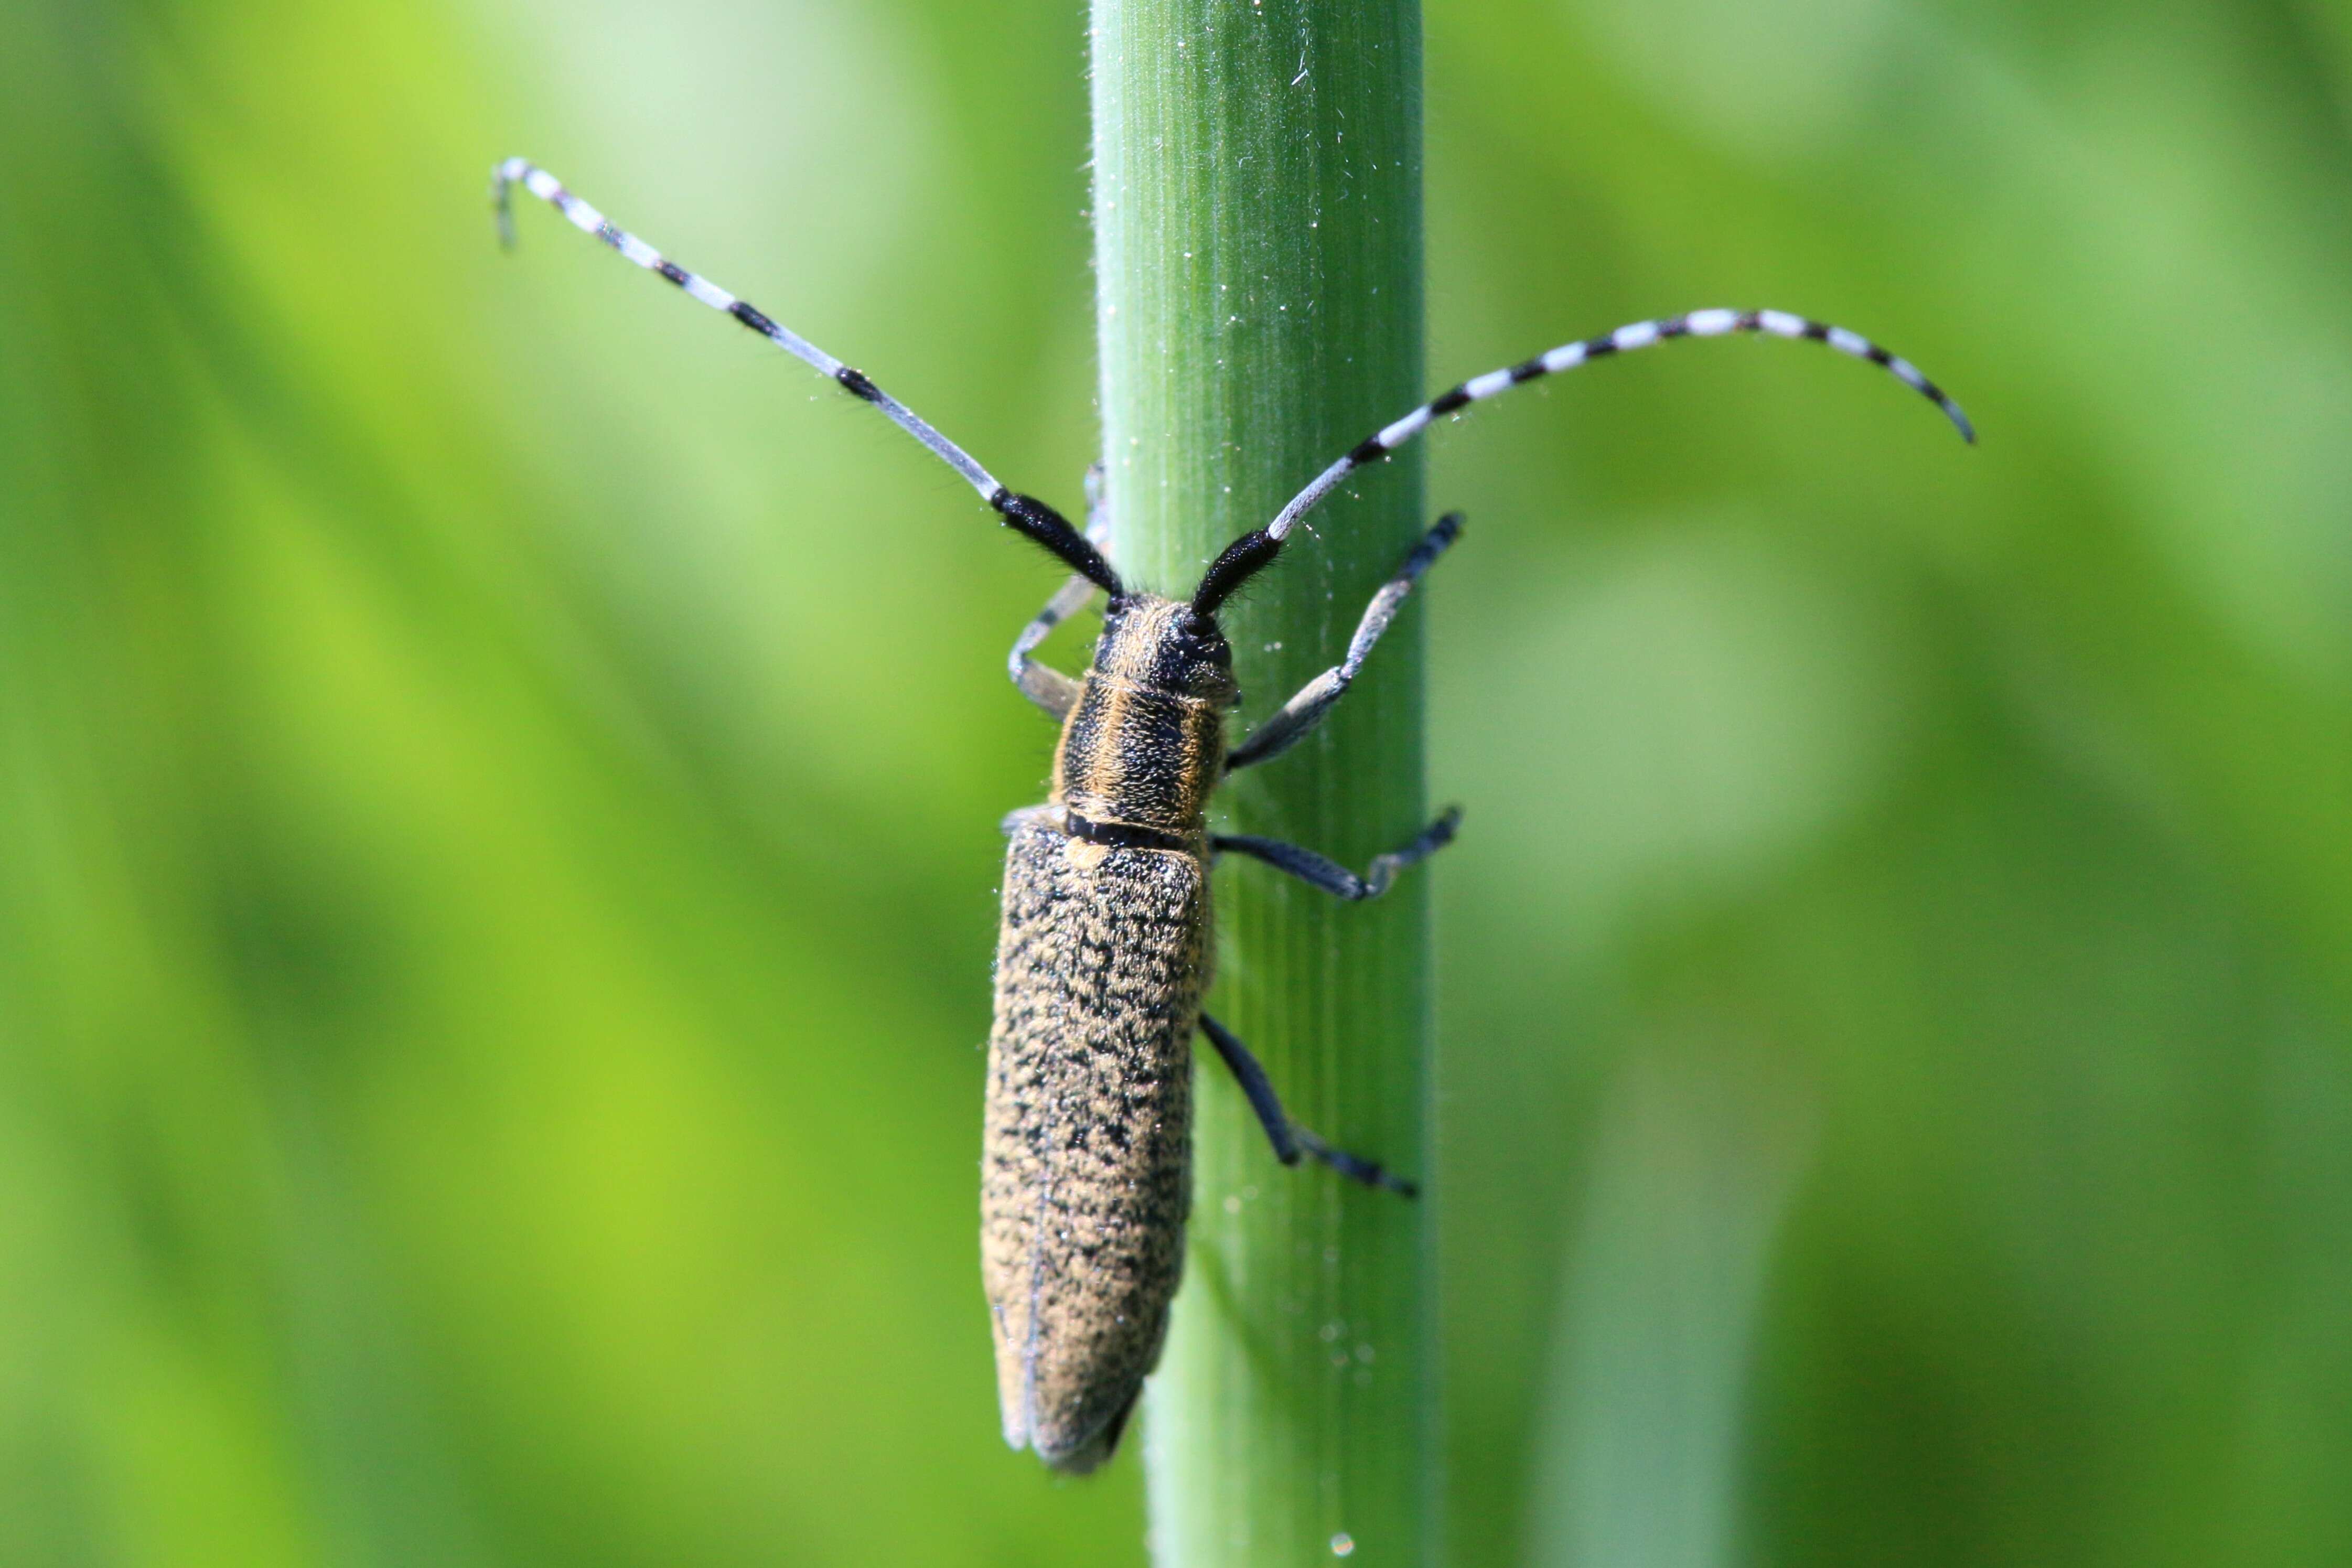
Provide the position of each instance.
(1104, 951)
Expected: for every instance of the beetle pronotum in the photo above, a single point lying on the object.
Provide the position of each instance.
(1104, 952)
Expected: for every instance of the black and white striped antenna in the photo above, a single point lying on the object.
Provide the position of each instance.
(1567, 356)
(1023, 513)
(1042, 523)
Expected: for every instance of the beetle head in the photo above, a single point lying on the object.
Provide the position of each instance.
(1167, 645)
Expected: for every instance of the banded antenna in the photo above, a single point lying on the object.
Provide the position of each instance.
(1025, 514)
(1639, 335)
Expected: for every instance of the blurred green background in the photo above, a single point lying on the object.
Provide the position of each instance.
(500, 772)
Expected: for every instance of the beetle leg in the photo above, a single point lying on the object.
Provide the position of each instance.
(1048, 688)
(1304, 712)
(1290, 1140)
(1330, 875)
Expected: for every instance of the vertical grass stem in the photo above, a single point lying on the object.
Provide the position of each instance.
(1257, 216)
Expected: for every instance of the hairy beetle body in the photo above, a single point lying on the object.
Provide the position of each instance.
(1101, 963)
(1086, 1175)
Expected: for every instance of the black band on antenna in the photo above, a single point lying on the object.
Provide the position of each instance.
(1029, 516)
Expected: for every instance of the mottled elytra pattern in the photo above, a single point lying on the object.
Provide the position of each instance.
(1086, 1178)
(1104, 953)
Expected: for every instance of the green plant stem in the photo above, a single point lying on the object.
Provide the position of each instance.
(1257, 216)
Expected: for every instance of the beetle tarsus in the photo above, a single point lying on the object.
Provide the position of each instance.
(1355, 1167)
